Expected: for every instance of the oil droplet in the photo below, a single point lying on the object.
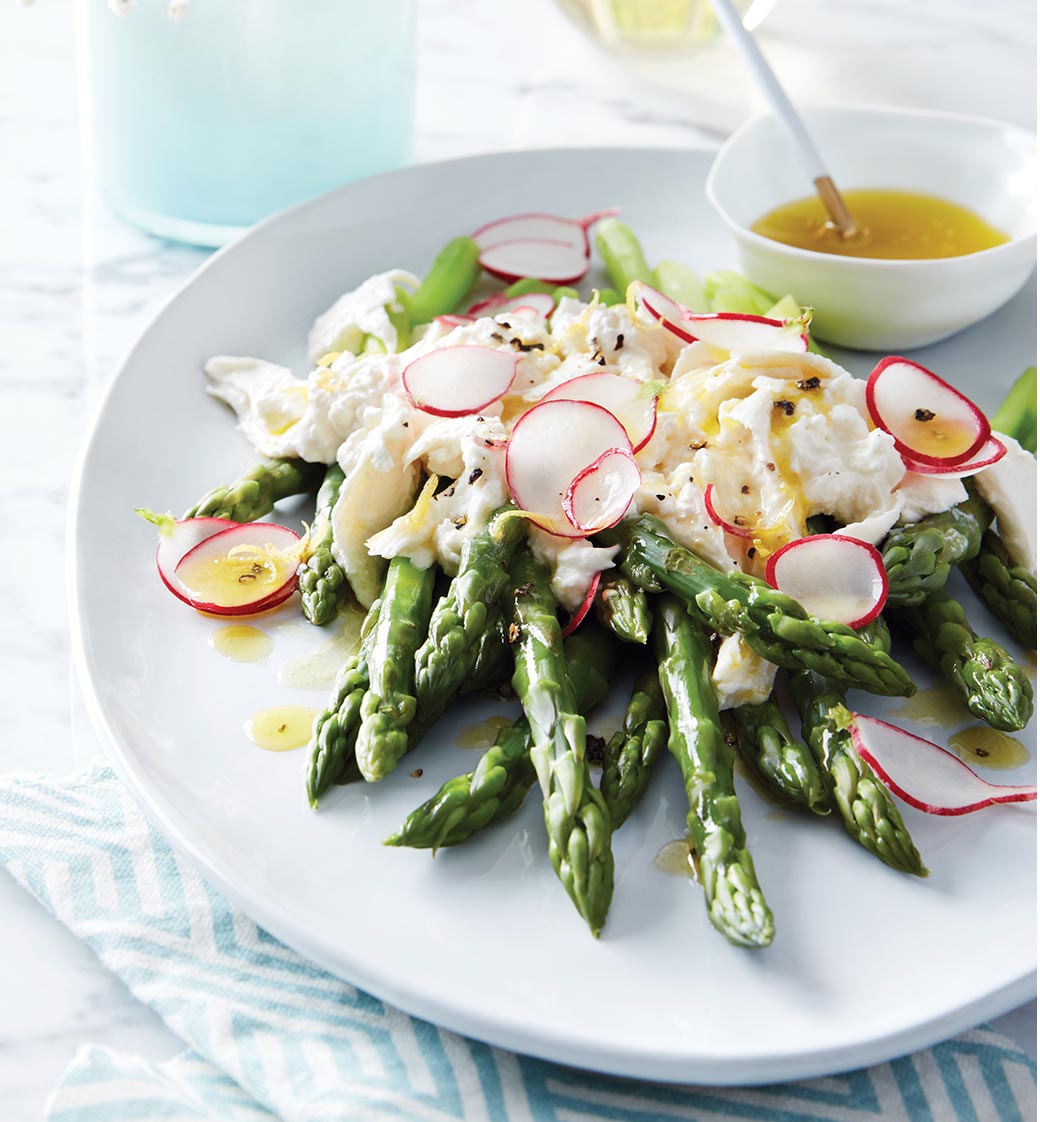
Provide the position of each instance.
(281, 728)
(317, 670)
(482, 734)
(986, 747)
(241, 642)
(677, 859)
(940, 707)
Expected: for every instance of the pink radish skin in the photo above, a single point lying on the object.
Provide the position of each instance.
(236, 533)
(458, 381)
(590, 598)
(621, 396)
(833, 576)
(452, 322)
(600, 494)
(925, 775)
(497, 305)
(713, 514)
(179, 536)
(550, 445)
(898, 391)
(536, 227)
(552, 261)
(731, 331)
(992, 451)
(666, 311)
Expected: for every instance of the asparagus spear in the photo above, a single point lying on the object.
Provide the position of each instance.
(332, 756)
(493, 665)
(454, 272)
(918, 556)
(994, 687)
(681, 284)
(254, 494)
(322, 581)
(504, 774)
(631, 751)
(735, 902)
(576, 817)
(466, 612)
(1008, 590)
(866, 807)
(388, 707)
(622, 254)
(623, 608)
(773, 625)
(765, 742)
(1017, 416)
(728, 291)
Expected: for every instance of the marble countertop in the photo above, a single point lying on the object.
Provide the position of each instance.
(77, 285)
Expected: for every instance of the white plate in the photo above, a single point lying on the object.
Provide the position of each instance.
(867, 964)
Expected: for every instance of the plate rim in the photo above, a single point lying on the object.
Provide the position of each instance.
(554, 1047)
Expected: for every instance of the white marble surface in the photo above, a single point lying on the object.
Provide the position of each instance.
(76, 286)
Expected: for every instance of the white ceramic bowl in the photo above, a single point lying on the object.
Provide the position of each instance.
(871, 304)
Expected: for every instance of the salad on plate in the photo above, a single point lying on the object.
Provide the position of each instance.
(534, 488)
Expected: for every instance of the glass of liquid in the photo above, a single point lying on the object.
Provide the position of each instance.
(201, 120)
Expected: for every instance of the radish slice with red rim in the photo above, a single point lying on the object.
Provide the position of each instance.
(583, 610)
(232, 568)
(627, 399)
(731, 331)
(666, 311)
(930, 421)
(713, 514)
(178, 536)
(600, 494)
(457, 381)
(549, 447)
(834, 577)
(453, 321)
(500, 303)
(549, 260)
(536, 227)
(925, 775)
(992, 451)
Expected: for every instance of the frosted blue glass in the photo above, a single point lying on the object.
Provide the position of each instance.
(201, 126)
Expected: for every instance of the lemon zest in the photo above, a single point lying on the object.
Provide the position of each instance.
(328, 358)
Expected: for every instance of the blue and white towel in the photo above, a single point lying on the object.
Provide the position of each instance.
(271, 1037)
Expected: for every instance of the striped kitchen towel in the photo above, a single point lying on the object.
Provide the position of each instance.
(270, 1036)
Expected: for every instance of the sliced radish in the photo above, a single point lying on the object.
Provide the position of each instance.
(666, 311)
(925, 775)
(457, 381)
(738, 333)
(454, 321)
(600, 494)
(713, 514)
(833, 576)
(992, 451)
(178, 536)
(233, 568)
(558, 262)
(583, 610)
(549, 447)
(496, 305)
(931, 422)
(536, 227)
(626, 398)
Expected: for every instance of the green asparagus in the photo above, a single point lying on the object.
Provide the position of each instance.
(454, 272)
(728, 291)
(1017, 416)
(994, 687)
(388, 707)
(918, 556)
(254, 494)
(681, 284)
(322, 581)
(867, 809)
(622, 607)
(504, 774)
(631, 751)
(1007, 589)
(576, 816)
(735, 902)
(765, 742)
(775, 626)
(332, 757)
(467, 611)
(622, 254)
